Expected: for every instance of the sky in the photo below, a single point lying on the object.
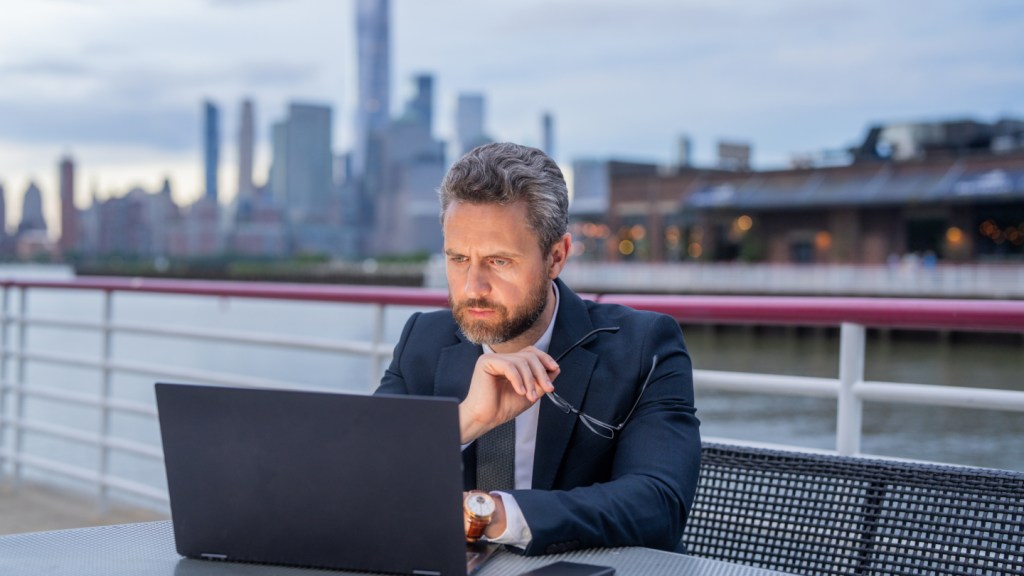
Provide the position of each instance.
(119, 84)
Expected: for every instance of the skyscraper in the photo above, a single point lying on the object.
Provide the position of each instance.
(246, 138)
(374, 66)
(303, 163)
(211, 148)
(32, 211)
(68, 213)
(469, 122)
(421, 107)
(548, 133)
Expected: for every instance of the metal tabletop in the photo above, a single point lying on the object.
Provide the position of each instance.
(147, 549)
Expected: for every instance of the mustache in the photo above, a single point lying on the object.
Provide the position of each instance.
(480, 303)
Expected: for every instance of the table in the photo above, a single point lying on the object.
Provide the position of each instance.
(147, 549)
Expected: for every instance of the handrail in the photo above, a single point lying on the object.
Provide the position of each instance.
(850, 390)
(911, 313)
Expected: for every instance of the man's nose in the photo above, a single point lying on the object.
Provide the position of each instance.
(477, 285)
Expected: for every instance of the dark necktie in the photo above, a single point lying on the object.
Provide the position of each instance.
(496, 458)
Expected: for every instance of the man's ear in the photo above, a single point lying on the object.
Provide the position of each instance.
(558, 255)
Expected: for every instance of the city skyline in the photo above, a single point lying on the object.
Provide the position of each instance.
(123, 96)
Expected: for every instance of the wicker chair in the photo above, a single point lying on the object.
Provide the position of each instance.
(823, 514)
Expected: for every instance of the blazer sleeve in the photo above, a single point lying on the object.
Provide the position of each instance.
(654, 465)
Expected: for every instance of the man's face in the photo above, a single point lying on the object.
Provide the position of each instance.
(498, 278)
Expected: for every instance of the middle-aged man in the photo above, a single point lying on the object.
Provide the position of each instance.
(612, 458)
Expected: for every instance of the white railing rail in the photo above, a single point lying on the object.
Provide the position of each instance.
(850, 390)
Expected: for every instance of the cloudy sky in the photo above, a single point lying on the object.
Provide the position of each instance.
(118, 83)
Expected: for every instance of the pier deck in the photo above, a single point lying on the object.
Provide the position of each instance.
(34, 507)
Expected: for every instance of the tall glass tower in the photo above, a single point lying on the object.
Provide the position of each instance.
(211, 147)
(246, 138)
(373, 53)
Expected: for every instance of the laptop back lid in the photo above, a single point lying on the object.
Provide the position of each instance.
(314, 479)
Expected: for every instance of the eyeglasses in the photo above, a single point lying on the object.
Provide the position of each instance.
(596, 426)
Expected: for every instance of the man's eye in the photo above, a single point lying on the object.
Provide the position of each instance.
(500, 262)
(456, 259)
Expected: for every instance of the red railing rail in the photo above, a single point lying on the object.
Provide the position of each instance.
(907, 313)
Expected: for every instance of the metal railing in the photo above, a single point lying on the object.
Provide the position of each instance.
(850, 390)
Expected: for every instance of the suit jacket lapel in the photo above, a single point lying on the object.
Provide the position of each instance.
(455, 369)
(554, 427)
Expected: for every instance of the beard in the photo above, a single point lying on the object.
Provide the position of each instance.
(509, 324)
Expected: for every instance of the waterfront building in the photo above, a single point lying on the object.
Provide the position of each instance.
(197, 232)
(211, 148)
(68, 212)
(591, 208)
(469, 122)
(138, 224)
(955, 198)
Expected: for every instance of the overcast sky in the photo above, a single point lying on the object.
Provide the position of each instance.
(118, 84)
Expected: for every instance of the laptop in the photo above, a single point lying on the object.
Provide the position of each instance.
(316, 479)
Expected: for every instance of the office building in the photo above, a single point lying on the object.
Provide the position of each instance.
(246, 143)
(374, 90)
(548, 133)
(68, 212)
(32, 210)
(211, 148)
(407, 213)
(469, 122)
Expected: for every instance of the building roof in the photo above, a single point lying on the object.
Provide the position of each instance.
(984, 178)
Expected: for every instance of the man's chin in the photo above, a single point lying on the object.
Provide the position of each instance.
(478, 334)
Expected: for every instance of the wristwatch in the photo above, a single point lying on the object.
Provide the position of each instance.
(478, 507)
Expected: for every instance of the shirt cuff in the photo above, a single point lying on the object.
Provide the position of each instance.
(517, 532)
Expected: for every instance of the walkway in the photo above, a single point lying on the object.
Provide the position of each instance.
(37, 507)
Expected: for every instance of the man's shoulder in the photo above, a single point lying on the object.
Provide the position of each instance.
(604, 314)
(437, 325)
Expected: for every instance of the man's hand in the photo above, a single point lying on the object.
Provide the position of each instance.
(503, 387)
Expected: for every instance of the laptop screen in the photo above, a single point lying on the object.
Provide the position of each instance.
(314, 479)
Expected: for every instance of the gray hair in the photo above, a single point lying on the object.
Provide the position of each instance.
(505, 173)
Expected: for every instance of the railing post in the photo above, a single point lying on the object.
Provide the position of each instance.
(5, 318)
(102, 493)
(19, 396)
(850, 409)
(378, 339)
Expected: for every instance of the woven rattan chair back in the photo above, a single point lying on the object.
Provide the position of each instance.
(823, 514)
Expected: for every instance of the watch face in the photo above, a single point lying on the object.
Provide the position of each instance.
(480, 504)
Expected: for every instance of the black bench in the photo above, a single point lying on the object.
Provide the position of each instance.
(824, 514)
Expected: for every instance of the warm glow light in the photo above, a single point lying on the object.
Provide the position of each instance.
(695, 250)
(744, 223)
(954, 236)
(625, 247)
(822, 240)
(638, 232)
(578, 248)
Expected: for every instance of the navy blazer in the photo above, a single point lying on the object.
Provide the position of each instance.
(588, 491)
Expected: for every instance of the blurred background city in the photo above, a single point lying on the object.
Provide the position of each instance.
(293, 139)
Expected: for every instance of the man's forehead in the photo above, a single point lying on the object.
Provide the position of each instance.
(493, 228)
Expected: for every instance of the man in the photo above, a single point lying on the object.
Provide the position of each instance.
(612, 459)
